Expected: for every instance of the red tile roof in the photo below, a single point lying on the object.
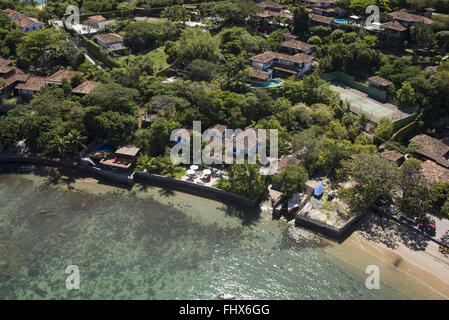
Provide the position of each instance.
(86, 87)
(392, 155)
(5, 62)
(33, 83)
(259, 74)
(24, 21)
(321, 19)
(267, 56)
(109, 37)
(60, 75)
(409, 17)
(382, 81)
(394, 25)
(432, 148)
(270, 4)
(97, 18)
(295, 44)
(433, 172)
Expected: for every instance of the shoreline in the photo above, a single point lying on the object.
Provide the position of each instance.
(429, 271)
(399, 266)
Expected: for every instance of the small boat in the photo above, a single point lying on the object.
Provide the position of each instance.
(226, 296)
(318, 192)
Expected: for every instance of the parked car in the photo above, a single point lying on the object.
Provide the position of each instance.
(429, 228)
(411, 220)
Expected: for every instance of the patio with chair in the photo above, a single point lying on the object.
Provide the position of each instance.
(206, 176)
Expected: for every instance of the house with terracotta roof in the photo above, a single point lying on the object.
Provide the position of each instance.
(29, 24)
(434, 173)
(432, 148)
(379, 83)
(319, 20)
(270, 5)
(10, 76)
(5, 62)
(393, 29)
(296, 46)
(394, 156)
(59, 76)
(12, 14)
(85, 88)
(95, 21)
(282, 65)
(407, 19)
(110, 41)
(27, 89)
(26, 23)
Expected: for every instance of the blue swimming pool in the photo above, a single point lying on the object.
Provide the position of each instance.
(269, 84)
(106, 148)
(341, 21)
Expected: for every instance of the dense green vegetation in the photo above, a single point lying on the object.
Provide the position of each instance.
(213, 72)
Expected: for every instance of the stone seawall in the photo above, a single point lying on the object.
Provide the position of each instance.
(193, 188)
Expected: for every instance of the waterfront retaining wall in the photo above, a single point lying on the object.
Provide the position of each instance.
(326, 229)
(124, 179)
(195, 189)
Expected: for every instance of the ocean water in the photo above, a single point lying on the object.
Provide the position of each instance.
(150, 243)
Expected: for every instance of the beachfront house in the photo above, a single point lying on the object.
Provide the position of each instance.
(110, 41)
(282, 65)
(123, 158)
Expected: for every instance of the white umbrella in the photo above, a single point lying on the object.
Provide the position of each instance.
(194, 167)
(207, 171)
(190, 172)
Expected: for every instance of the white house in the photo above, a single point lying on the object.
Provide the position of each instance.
(26, 23)
(29, 24)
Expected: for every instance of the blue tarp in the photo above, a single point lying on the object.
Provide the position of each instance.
(319, 190)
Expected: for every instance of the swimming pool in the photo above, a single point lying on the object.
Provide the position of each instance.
(270, 84)
(341, 21)
(106, 148)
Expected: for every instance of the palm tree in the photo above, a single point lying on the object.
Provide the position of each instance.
(73, 141)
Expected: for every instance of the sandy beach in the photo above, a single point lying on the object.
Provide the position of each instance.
(404, 255)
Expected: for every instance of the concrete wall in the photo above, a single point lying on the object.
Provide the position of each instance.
(193, 188)
(53, 163)
(328, 230)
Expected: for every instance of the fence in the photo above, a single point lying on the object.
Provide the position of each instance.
(349, 81)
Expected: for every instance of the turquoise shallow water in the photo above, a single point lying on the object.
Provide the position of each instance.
(152, 244)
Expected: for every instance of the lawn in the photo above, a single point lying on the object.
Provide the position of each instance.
(157, 56)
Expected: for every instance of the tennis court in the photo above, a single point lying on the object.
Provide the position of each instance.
(360, 102)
